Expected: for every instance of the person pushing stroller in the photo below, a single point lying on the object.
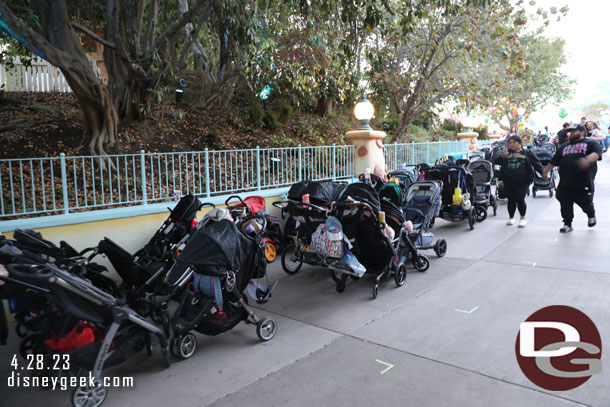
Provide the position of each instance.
(517, 167)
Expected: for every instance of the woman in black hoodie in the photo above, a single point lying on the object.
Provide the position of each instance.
(517, 167)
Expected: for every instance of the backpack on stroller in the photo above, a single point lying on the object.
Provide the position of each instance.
(358, 209)
(421, 207)
(458, 190)
(225, 251)
(545, 152)
(483, 173)
(75, 306)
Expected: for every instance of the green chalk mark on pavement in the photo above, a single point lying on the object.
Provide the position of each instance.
(467, 312)
(389, 365)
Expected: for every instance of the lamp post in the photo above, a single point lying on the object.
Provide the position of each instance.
(469, 136)
(367, 142)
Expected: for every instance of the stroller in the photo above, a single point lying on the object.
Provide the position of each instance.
(545, 153)
(76, 307)
(142, 272)
(421, 207)
(223, 250)
(458, 189)
(358, 209)
(304, 219)
(483, 173)
(274, 238)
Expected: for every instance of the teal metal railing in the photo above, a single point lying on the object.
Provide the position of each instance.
(63, 185)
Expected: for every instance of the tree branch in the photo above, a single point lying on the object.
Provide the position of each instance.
(93, 35)
(175, 29)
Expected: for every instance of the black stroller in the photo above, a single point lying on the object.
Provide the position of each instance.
(545, 152)
(458, 190)
(483, 173)
(304, 219)
(422, 205)
(358, 210)
(222, 250)
(75, 304)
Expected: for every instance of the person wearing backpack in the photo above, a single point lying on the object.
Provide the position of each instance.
(517, 167)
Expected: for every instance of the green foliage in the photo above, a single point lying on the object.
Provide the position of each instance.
(418, 134)
(450, 125)
(271, 120)
(256, 114)
(483, 133)
(284, 109)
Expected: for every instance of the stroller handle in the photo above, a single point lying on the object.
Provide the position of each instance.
(227, 202)
(14, 270)
(354, 205)
(204, 204)
(300, 204)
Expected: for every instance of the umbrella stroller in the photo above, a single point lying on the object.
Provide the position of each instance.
(482, 171)
(222, 250)
(458, 189)
(421, 207)
(77, 306)
(545, 152)
(358, 209)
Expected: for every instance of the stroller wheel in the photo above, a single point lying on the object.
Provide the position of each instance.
(186, 346)
(292, 260)
(89, 396)
(21, 330)
(472, 218)
(421, 263)
(341, 283)
(400, 275)
(266, 329)
(270, 252)
(534, 192)
(494, 204)
(481, 213)
(550, 193)
(440, 247)
(31, 345)
(333, 275)
(375, 290)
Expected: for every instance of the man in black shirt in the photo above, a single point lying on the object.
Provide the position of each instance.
(577, 161)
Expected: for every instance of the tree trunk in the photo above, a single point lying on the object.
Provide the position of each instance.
(405, 121)
(325, 106)
(59, 45)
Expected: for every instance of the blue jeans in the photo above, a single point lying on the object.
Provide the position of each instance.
(209, 286)
(606, 143)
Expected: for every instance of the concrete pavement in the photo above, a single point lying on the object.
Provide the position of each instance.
(331, 348)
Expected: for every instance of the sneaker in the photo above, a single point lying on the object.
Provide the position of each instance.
(522, 223)
(510, 222)
(592, 222)
(218, 318)
(566, 229)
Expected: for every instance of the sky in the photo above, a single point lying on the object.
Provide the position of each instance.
(586, 31)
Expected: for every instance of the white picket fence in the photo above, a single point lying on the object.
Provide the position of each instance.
(41, 76)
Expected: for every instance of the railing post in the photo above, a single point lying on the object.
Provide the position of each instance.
(64, 183)
(258, 168)
(395, 156)
(143, 176)
(427, 151)
(207, 172)
(334, 162)
(300, 163)
(413, 153)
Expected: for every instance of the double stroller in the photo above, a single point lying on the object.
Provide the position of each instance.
(483, 173)
(82, 321)
(358, 210)
(458, 189)
(545, 152)
(228, 254)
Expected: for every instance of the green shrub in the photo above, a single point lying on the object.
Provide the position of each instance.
(450, 125)
(391, 124)
(483, 132)
(284, 110)
(418, 134)
(256, 114)
(271, 120)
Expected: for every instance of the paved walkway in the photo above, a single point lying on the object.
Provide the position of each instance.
(328, 345)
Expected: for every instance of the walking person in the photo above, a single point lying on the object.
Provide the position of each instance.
(517, 167)
(595, 132)
(577, 161)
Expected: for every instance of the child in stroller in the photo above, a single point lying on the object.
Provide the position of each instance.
(221, 251)
(482, 171)
(75, 305)
(545, 152)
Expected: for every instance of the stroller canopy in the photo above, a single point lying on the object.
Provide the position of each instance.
(322, 192)
(481, 170)
(185, 209)
(362, 192)
(217, 247)
(545, 150)
(393, 193)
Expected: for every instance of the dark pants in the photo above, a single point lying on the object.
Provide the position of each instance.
(516, 197)
(582, 197)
